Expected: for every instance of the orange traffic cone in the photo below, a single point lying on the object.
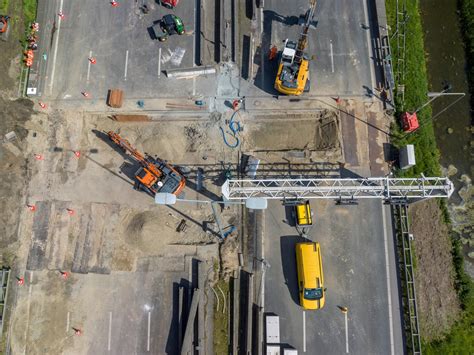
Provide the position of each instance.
(85, 94)
(92, 60)
(39, 157)
(42, 105)
(114, 3)
(20, 281)
(70, 211)
(61, 15)
(337, 99)
(77, 331)
(32, 208)
(64, 274)
(77, 154)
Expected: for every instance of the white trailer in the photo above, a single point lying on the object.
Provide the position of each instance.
(272, 329)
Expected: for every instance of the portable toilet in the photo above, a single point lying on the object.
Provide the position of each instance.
(407, 156)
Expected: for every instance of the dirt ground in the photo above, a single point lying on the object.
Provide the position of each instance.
(438, 303)
(14, 113)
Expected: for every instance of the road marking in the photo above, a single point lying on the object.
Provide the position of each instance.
(332, 57)
(304, 331)
(68, 321)
(262, 56)
(28, 312)
(369, 47)
(389, 291)
(110, 331)
(252, 44)
(347, 334)
(89, 66)
(159, 62)
(126, 66)
(148, 338)
(55, 50)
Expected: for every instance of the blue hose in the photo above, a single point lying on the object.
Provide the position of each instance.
(235, 128)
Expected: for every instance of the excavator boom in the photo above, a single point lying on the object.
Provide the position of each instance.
(293, 70)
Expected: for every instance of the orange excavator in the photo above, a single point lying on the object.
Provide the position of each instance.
(154, 175)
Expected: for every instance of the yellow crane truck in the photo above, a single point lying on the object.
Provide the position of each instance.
(293, 70)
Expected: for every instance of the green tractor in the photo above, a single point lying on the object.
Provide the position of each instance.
(169, 25)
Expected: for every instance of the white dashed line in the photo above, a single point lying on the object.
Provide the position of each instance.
(68, 321)
(148, 338)
(159, 62)
(304, 331)
(126, 66)
(332, 57)
(347, 334)
(55, 50)
(89, 66)
(110, 331)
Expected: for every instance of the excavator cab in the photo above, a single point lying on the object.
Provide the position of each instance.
(145, 177)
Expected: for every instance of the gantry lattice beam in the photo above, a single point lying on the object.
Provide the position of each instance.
(384, 188)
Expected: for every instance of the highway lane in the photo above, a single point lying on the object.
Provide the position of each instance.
(119, 39)
(354, 259)
(339, 44)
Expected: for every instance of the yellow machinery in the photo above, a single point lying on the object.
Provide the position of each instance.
(293, 70)
(303, 214)
(310, 275)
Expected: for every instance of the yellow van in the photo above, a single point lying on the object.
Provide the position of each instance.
(310, 275)
(303, 214)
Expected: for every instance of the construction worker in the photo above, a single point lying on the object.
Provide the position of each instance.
(272, 53)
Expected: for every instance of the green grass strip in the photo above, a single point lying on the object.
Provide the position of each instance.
(460, 339)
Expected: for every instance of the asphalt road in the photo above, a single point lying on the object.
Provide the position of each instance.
(352, 240)
(339, 42)
(120, 41)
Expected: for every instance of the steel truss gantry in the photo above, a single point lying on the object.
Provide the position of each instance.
(387, 188)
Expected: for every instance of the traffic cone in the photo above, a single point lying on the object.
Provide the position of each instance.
(92, 60)
(39, 157)
(20, 281)
(70, 211)
(343, 309)
(61, 15)
(85, 94)
(114, 3)
(337, 99)
(32, 208)
(77, 331)
(42, 105)
(77, 154)
(64, 274)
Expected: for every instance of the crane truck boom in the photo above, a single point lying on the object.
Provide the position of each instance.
(293, 70)
(154, 174)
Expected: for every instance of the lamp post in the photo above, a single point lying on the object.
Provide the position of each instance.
(254, 203)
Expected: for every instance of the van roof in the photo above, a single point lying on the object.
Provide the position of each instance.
(310, 258)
